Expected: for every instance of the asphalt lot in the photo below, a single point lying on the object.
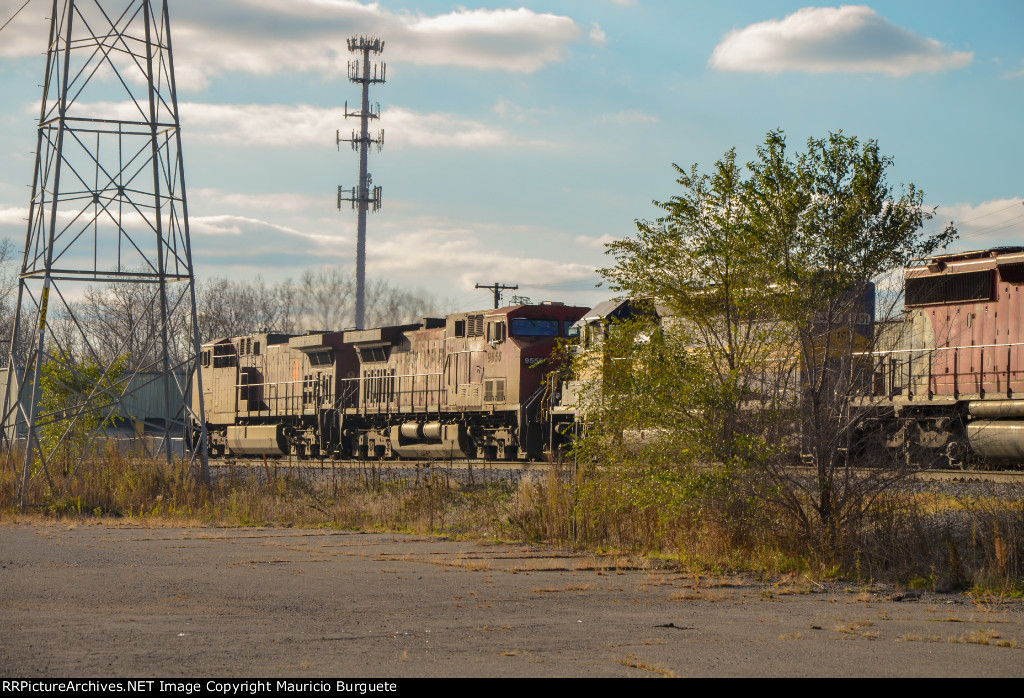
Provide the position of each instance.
(107, 600)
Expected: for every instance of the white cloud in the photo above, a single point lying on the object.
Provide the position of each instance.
(283, 203)
(1019, 73)
(595, 243)
(407, 128)
(284, 125)
(509, 109)
(290, 126)
(992, 223)
(848, 39)
(266, 37)
(260, 124)
(462, 250)
(26, 35)
(13, 216)
(597, 35)
(241, 225)
(520, 40)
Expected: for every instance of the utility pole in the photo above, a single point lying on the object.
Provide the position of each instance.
(497, 288)
(365, 195)
(108, 215)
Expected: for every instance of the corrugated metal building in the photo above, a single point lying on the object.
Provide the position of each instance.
(143, 408)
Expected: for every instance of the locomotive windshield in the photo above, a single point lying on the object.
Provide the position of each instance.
(528, 327)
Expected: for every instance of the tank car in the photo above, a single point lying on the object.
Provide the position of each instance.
(472, 385)
(949, 377)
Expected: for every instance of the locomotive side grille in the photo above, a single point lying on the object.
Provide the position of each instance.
(476, 325)
(321, 358)
(949, 288)
(1012, 273)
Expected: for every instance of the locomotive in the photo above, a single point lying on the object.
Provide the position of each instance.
(949, 377)
(472, 385)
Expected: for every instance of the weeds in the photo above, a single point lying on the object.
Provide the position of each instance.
(931, 543)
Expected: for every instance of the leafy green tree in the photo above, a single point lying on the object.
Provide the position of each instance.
(830, 222)
(77, 398)
(764, 273)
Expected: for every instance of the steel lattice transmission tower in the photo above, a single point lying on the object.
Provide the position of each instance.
(365, 195)
(108, 221)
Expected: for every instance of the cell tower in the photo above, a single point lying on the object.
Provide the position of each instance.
(365, 195)
(108, 220)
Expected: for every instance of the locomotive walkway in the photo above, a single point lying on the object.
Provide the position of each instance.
(124, 601)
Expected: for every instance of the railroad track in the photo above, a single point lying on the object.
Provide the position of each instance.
(1000, 476)
(496, 468)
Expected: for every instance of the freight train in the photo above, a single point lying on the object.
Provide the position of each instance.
(946, 381)
(472, 385)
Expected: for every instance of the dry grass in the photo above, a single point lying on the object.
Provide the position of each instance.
(978, 637)
(567, 587)
(935, 542)
(632, 661)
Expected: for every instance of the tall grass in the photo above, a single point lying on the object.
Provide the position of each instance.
(936, 540)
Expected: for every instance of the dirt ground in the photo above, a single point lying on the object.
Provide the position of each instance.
(126, 601)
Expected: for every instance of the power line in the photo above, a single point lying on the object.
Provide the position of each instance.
(15, 15)
(497, 288)
(994, 227)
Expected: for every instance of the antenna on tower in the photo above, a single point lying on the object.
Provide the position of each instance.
(107, 217)
(366, 196)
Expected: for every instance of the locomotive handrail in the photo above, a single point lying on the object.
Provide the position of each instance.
(879, 352)
(386, 405)
(265, 383)
(403, 375)
(930, 383)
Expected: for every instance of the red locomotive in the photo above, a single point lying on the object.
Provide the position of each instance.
(949, 378)
(472, 385)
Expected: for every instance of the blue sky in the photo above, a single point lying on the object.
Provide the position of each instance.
(521, 137)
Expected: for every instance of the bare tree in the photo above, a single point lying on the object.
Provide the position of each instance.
(8, 291)
(320, 300)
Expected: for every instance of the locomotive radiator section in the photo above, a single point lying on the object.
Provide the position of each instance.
(952, 370)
